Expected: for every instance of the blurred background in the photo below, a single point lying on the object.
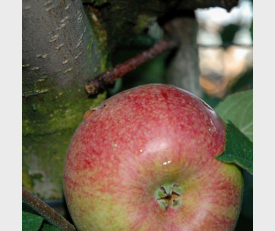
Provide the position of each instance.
(225, 49)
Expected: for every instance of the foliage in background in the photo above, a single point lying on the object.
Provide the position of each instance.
(238, 108)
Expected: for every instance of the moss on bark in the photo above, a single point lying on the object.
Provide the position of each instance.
(57, 61)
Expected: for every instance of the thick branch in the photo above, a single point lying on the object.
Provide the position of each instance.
(109, 77)
(46, 211)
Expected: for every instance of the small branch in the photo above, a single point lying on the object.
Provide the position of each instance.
(109, 77)
(46, 211)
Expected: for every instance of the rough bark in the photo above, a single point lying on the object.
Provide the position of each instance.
(60, 52)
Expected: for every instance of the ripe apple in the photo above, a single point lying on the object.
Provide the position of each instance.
(144, 160)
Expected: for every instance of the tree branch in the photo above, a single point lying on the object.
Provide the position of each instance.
(109, 77)
(46, 211)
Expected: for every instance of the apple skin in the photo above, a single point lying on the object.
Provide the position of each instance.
(145, 160)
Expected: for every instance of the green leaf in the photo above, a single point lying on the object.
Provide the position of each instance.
(31, 222)
(238, 148)
(238, 108)
(48, 227)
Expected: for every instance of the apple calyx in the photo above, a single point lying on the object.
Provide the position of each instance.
(169, 195)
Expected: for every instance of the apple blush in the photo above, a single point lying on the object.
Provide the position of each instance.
(144, 159)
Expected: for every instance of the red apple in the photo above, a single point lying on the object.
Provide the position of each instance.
(145, 160)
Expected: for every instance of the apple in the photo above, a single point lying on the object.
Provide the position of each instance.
(145, 160)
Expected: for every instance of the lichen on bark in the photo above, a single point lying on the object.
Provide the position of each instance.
(60, 53)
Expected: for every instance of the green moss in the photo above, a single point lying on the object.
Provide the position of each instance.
(49, 121)
(59, 110)
(44, 159)
(26, 179)
(99, 34)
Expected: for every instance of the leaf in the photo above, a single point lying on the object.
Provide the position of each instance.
(48, 227)
(238, 148)
(238, 108)
(31, 222)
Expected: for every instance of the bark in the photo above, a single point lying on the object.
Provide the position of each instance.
(60, 52)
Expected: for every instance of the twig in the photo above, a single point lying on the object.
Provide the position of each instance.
(46, 211)
(109, 77)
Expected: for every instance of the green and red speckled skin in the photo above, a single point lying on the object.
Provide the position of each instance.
(139, 140)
